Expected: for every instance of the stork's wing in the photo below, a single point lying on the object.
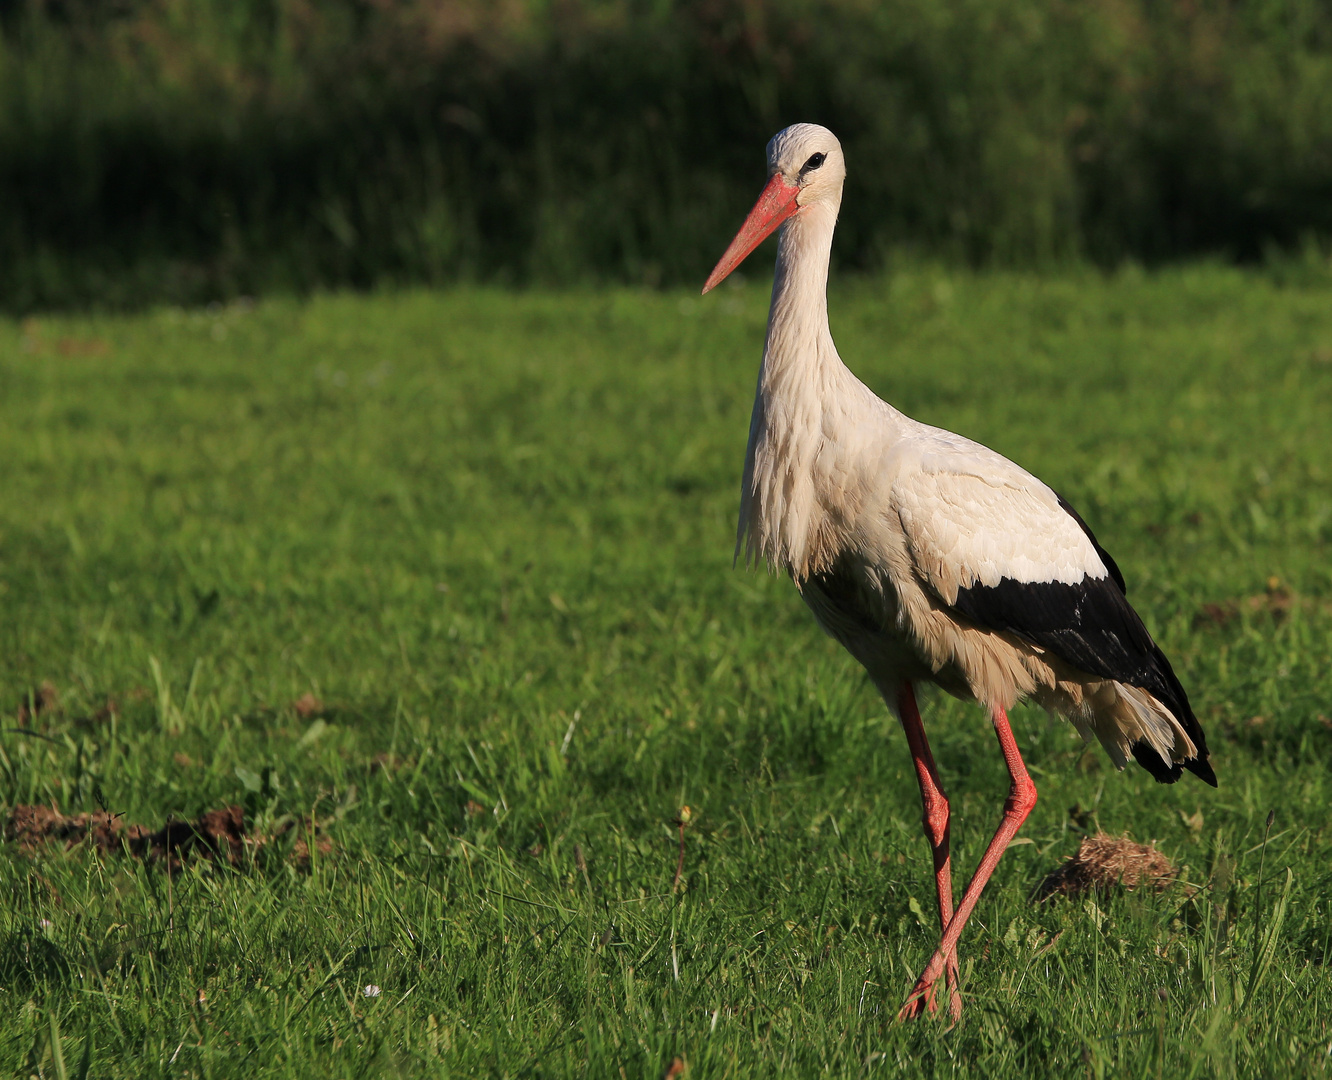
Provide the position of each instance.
(1004, 552)
(973, 518)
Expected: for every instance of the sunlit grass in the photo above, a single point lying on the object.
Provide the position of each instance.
(492, 533)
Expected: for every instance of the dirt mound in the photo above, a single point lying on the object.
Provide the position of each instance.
(1107, 862)
(218, 835)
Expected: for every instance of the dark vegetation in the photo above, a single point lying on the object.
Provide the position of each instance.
(185, 150)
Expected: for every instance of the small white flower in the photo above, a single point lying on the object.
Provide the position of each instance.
(46, 924)
(371, 990)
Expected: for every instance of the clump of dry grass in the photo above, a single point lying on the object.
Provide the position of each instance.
(1106, 862)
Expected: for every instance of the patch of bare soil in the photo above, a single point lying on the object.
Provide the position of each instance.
(217, 836)
(1276, 601)
(1108, 862)
(40, 699)
(308, 706)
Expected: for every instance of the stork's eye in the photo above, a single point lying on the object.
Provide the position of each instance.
(814, 162)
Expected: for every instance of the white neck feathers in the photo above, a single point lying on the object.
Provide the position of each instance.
(797, 496)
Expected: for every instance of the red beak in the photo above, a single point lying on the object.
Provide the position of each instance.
(775, 205)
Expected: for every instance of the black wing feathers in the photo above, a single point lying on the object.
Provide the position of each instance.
(1106, 558)
(1091, 626)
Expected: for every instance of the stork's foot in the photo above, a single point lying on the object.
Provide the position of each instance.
(954, 997)
(922, 998)
(919, 1002)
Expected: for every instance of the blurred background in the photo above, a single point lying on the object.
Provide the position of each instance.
(192, 150)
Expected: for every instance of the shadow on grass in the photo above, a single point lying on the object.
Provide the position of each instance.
(29, 961)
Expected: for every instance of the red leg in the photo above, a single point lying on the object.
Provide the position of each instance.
(935, 806)
(1021, 799)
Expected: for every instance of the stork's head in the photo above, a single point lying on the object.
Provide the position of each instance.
(805, 169)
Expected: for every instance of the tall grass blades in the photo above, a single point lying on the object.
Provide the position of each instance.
(443, 578)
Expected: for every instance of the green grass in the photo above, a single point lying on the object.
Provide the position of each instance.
(493, 533)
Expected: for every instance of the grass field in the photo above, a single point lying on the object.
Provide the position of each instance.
(491, 534)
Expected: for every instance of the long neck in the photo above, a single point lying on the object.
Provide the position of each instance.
(780, 514)
(798, 335)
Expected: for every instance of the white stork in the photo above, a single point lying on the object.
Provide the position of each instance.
(930, 557)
